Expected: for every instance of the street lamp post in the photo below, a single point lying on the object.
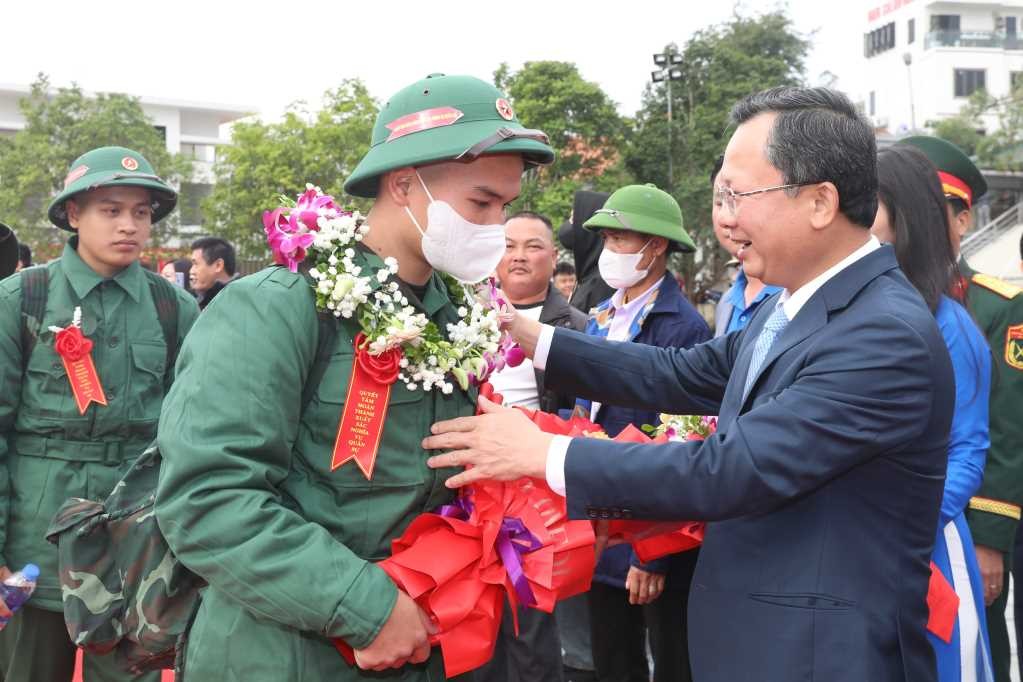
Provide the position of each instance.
(669, 62)
(908, 59)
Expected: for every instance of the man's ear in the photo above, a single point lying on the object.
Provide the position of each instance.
(218, 266)
(659, 245)
(961, 223)
(396, 185)
(74, 212)
(824, 207)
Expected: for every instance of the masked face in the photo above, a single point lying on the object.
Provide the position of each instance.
(466, 251)
(619, 270)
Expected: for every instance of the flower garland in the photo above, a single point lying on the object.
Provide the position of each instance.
(315, 227)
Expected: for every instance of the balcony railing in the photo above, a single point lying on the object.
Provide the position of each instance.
(994, 39)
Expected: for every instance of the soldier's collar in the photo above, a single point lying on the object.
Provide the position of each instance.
(84, 279)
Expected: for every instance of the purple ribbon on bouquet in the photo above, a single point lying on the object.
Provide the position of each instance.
(513, 540)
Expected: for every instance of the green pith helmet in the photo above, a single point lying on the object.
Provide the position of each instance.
(112, 167)
(960, 178)
(645, 209)
(442, 118)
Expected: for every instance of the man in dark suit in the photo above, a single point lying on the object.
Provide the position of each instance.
(823, 483)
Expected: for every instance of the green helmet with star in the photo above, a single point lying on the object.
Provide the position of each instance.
(444, 118)
(112, 167)
(644, 209)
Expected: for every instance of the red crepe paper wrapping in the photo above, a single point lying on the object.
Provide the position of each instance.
(452, 567)
(649, 539)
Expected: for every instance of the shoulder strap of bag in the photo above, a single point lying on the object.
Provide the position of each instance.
(166, 302)
(34, 289)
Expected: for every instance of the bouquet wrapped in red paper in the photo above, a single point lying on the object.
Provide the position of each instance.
(496, 539)
(649, 539)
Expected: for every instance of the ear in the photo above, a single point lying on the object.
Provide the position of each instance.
(397, 185)
(824, 204)
(659, 245)
(74, 212)
(962, 222)
(218, 265)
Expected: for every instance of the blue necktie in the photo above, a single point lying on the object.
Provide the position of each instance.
(772, 329)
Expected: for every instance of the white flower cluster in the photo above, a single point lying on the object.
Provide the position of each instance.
(481, 330)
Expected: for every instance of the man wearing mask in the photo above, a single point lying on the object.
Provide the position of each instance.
(213, 267)
(640, 225)
(994, 512)
(738, 305)
(534, 653)
(248, 497)
(65, 435)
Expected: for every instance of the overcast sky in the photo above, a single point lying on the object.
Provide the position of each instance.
(267, 54)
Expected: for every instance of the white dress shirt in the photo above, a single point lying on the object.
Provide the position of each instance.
(792, 302)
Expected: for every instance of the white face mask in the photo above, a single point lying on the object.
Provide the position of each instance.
(466, 251)
(619, 269)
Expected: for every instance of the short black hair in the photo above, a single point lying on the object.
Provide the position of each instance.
(24, 254)
(214, 249)
(564, 268)
(718, 163)
(534, 216)
(958, 205)
(819, 136)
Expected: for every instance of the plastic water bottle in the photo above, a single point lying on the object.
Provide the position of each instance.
(16, 590)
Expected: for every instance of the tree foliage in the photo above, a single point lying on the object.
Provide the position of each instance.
(270, 159)
(585, 129)
(720, 65)
(60, 126)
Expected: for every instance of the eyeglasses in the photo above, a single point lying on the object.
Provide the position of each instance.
(728, 197)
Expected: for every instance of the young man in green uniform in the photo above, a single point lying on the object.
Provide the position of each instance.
(247, 497)
(997, 306)
(51, 447)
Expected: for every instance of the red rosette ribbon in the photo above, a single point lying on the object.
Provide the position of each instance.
(497, 540)
(71, 344)
(649, 539)
(383, 368)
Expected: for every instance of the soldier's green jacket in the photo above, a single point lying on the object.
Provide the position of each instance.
(247, 498)
(994, 511)
(48, 451)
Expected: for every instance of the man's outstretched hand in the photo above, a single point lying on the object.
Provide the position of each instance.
(404, 638)
(501, 444)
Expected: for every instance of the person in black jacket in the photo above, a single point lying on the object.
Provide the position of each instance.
(586, 247)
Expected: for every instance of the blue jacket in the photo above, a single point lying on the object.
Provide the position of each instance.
(670, 322)
(821, 487)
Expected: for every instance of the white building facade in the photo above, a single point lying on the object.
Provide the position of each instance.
(195, 129)
(922, 59)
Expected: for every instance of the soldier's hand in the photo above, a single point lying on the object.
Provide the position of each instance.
(405, 638)
(643, 586)
(5, 573)
(991, 563)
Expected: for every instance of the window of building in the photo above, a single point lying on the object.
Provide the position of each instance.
(873, 102)
(190, 203)
(1015, 79)
(968, 81)
(162, 132)
(879, 40)
(1010, 27)
(945, 22)
(910, 31)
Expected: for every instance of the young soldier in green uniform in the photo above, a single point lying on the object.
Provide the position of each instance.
(997, 306)
(247, 495)
(51, 448)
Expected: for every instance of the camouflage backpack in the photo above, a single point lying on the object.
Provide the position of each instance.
(124, 591)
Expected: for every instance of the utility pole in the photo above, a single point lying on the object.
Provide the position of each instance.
(670, 70)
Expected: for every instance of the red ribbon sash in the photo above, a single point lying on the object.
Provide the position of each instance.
(362, 421)
(76, 352)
